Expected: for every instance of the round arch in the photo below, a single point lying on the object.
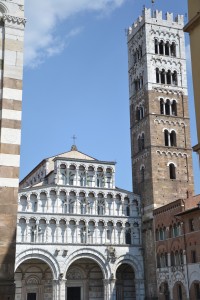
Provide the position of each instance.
(42, 255)
(90, 254)
(133, 262)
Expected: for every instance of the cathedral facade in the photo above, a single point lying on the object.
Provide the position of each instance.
(78, 235)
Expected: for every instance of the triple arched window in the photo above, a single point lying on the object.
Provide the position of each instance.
(170, 138)
(168, 107)
(166, 77)
(177, 258)
(165, 48)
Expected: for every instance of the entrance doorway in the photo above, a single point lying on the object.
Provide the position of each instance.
(31, 296)
(125, 285)
(73, 293)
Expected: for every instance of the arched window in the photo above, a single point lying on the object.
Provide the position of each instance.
(167, 107)
(174, 78)
(161, 234)
(166, 137)
(142, 173)
(162, 106)
(161, 47)
(173, 49)
(128, 237)
(166, 259)
(127, 211)
(139, 143)
(172, 259)
(142, 141)
(167, 48)
(177, 259)
(174, 108)
(172, 171)
(142, 112)
(158, 260)
(162, 76)
(137, 113)
(169, 81)
(156, 46)
(181, 258)
(173, 138)
(157, 76)
(157, 235)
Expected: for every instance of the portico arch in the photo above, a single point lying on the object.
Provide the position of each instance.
(42, 255)
(90, 254)
(125, 282)
(34, 280)
(84, 280)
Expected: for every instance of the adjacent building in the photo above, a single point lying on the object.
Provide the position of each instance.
(159, 121)
(177, 232)
(79, 236)
(12, 24)
(193, 27)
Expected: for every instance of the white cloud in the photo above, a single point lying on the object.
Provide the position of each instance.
(41, 40)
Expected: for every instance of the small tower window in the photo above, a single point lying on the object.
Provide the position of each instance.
(172, 171)
(168, 77)
(166, 137)
(174, 108)
(162, 106)
(173, 49)
(167, 48)
(174, 78)
(142, 141)
(157, 76)
(142, 174)
(167, 107)
(161, 48)
(156, 46)
(173, 139)
(162, 76)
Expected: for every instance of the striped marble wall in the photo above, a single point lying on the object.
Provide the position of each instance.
(12, 25)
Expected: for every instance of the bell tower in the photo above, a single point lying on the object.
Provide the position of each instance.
(159, 121)
(12, 24)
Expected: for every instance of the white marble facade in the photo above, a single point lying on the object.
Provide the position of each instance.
(78, 235)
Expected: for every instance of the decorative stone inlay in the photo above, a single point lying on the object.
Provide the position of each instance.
(172, 153)
(169, 122)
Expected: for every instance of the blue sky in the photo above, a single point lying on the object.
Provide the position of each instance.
(76, 81)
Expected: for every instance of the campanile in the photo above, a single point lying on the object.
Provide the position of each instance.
(159, 121)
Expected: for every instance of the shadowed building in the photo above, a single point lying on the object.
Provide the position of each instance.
(12, 24)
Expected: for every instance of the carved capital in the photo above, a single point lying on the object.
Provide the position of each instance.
(14, 20)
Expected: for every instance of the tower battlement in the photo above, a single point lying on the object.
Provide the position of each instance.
(156, 17)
